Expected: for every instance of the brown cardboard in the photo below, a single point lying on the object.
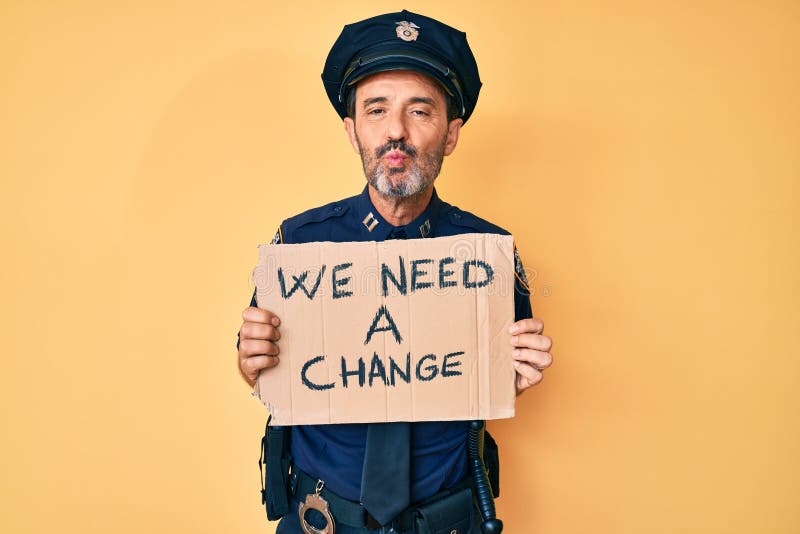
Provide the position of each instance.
(469, 321)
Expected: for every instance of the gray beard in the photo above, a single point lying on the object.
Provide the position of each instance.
(415, 181)
(412, 185)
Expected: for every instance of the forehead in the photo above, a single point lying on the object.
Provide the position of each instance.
(403, 83)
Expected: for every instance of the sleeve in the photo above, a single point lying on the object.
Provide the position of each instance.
(278, 239)
(522, 293)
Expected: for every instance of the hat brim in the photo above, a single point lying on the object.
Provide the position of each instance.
(394, 59)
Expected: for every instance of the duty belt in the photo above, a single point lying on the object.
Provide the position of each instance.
(353, 513)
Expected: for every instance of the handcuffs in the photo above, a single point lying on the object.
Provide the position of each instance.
(316, 502)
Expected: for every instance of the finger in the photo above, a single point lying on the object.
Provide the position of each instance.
(527, 326)
(257, 347)
(527, 376)
(257, 315)
(259, 331)
(532, 341)
(537, 358)
(521, 383)
(254, 364)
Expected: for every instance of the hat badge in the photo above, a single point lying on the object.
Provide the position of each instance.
(407, 31)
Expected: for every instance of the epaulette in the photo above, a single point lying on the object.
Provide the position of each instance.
(311, 217)
(469, 220)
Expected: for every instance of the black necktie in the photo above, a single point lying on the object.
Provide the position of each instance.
(386, 478)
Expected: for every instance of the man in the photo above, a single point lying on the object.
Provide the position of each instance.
(404, 85)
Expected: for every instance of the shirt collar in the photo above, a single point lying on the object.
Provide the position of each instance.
(376, 227)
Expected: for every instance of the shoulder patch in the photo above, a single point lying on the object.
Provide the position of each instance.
(519, 270)
(277, 239)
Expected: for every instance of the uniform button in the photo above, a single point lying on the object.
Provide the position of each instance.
(457, 215)
(337, 208)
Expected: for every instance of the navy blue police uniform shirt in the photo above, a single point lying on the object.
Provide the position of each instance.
(335, 453)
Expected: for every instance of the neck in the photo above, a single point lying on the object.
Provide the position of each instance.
(399, 211)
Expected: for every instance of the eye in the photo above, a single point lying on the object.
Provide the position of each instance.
(375, 111)
(419, 112)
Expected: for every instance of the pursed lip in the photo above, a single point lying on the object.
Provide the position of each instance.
(395, 157)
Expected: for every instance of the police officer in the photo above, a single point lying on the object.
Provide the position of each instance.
(404, 85)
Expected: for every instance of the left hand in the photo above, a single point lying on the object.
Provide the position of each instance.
(531, 352)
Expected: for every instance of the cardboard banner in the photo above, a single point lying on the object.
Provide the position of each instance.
(399, 330)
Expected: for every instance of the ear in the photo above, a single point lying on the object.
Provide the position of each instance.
(350, 128)
(453, 129)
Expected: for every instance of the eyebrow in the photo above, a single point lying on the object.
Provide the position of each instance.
(422, 100)
(373, 100)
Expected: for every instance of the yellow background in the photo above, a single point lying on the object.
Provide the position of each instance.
(645, 155)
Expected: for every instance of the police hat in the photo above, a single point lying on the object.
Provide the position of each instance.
(402, 41)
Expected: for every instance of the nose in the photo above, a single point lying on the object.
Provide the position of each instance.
(396, 126)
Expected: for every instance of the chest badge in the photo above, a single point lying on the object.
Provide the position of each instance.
(407, 31)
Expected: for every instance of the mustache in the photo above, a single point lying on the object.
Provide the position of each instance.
(400, 145)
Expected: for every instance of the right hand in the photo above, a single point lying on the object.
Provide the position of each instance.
(257, 347)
